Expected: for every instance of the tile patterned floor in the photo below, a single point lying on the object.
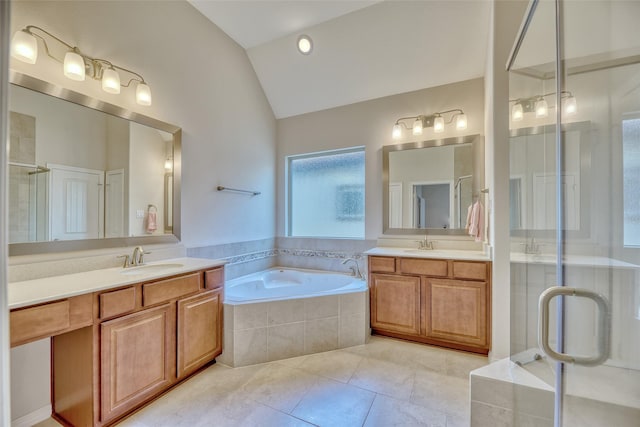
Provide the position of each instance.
(383, 383)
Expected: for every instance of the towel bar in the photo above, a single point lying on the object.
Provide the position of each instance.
(235, 190)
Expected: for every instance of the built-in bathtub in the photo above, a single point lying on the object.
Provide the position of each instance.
(283, 312)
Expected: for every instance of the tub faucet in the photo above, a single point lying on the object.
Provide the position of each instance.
(356, 270)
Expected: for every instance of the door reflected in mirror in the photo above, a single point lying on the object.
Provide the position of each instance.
(532, 185)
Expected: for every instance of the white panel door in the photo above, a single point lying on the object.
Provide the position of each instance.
(114, 204)
(76, 205)
(395, 205)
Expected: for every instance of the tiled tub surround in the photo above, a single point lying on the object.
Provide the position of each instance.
(509, 395)
(266, 331)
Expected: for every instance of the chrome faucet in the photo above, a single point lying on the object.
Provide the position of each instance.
(531, 247)
(137, 258)
(425, 244)
(355, 270)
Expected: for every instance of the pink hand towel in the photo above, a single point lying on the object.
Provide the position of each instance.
(475, 221)
(151, 222)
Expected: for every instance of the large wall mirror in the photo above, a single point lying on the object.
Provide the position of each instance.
(429, 185)
(84, 174)
(532, 185)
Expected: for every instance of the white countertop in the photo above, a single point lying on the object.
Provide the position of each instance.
(31, 292)
(466, 255)
(571, 260)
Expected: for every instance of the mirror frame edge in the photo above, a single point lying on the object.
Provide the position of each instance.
(32, 248)
(386, 149)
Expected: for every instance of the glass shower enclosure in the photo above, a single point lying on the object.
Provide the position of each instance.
(574, 90)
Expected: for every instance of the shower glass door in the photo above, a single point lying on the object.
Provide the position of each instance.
(576, 217)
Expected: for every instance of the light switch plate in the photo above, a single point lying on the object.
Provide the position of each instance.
(140, 213)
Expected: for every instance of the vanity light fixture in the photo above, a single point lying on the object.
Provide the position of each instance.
(435, 120)
(538, 105)
(305, 44)
(77, 65)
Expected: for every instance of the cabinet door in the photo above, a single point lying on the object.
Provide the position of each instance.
(199, 330)
(456, 310)
(137, 358)
(395, 303)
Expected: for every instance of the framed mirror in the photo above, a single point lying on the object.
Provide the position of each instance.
(429, 185)
(85, 174)
(531, 185)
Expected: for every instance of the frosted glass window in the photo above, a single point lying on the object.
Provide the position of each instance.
(631, 176)
(326, 194)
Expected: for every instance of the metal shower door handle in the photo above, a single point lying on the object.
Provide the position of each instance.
(604, 325)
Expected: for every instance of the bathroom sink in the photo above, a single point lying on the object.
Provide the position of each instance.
(151, 268)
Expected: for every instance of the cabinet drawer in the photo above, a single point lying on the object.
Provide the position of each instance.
(32, 323)
(380, 264)
(214, 279)
(424, 267)
(117, 302)
(166, 290)
(470, 270)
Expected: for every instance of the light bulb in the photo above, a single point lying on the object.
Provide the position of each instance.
(74, 66)
(143, 94)
(24, 47)
(417, 127)
(542, 109)
(461, 121)
(516, 112)
(111, 81)
(305, 45)
(570, 105)
(168, 164)
(396, 133)
(438, 124)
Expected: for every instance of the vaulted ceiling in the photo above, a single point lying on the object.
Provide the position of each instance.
(361, 49)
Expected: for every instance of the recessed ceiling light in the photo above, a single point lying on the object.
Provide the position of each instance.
(305, 45)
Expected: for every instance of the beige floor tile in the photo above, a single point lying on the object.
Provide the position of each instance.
(384, 377)
(441, 392)
(387, 411)
(293, 362)
(49, 422)
(383, 383)
(236, 409)
(279, 387)
(459, 364)
(332, 403)
(338, 365)
(458, 421)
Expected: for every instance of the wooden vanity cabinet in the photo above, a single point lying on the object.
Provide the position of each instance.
(395, 303)
(199, 331)
(144, 339)
(434, 301)
(137, 359)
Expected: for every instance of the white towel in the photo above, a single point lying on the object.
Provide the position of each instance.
(475, 221)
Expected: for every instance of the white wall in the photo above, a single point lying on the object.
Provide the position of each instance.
(201, 81)
(147, 154)
(369, 124)
(505, 21)
(59, 128)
